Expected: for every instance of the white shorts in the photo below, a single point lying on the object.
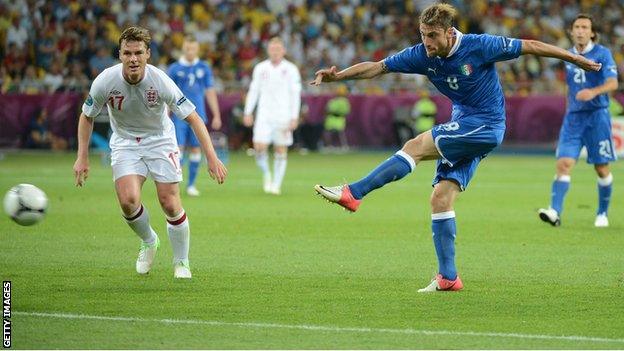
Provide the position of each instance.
(157, 156)
(266, 132)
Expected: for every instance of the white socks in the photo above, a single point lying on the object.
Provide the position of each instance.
(279, 169)
(262, 160)
(139, 222)
(179, 235)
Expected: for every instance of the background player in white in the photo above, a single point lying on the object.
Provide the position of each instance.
(194, 77)
(587, 123)
(276, 90)
(143, 143)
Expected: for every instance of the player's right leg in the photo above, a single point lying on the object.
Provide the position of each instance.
(568, 151)
(394, 168)
(262, 137)
(128, 189)
(559, 189)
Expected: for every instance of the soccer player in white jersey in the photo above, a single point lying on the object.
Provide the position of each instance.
(276, 90)
(143, 143)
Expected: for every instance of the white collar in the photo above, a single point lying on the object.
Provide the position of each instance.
(183, 61)
(458, 38)
(588, 48)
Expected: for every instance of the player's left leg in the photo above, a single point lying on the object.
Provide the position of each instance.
(194, 158)
(280, 160)
(177, 226)
(605, 187)
(161, 158)
(600, 151)
(444, 231)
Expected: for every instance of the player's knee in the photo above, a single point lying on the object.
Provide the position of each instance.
(170, 204)
(414, 148)
(440, 201)
(564, 166)
(602, 170)
(129, 203)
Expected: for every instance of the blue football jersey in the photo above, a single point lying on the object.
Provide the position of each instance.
(467, 76)
(193, 78)
(578, 79)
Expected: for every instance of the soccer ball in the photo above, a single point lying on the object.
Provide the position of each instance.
(25, 204)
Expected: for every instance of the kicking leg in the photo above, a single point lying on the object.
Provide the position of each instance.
(394, 168)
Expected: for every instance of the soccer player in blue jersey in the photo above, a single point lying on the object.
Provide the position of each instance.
(586, 123)
(462, 67)
(194, 77)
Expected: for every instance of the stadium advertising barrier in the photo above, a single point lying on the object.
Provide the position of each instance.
(530, 120)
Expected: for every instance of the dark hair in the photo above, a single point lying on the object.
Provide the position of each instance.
(439, 15)
(594, 37)
(135, 34)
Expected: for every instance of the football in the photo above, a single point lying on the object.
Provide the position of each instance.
(25, 204)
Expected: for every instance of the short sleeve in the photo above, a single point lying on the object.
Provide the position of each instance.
(495, 48)
(175, 99)
(609, 68)
(96, 99)
(408, 60)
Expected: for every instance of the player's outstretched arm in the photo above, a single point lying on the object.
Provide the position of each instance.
(216, 168)
(536, 47)
(81, 166)
(362, 70)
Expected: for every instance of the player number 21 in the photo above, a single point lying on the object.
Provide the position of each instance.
(113, 99)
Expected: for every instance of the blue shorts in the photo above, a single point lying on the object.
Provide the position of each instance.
(184, 133)
(462, 145)
(591, 129)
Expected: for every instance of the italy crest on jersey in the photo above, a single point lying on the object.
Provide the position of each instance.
(466, 69)
(151, 96)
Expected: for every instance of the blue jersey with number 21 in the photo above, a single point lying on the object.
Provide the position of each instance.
(467, 76)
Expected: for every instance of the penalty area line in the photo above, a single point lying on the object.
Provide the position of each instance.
(304, 327)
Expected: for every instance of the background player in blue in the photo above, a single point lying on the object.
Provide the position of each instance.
(194, 77)
(586, 123)
(462, 67)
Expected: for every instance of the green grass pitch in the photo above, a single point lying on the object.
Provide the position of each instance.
(296, 272)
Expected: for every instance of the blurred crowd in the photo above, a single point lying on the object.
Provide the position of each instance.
(61, 45)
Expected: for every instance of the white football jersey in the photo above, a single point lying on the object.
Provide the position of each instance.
(137, 110)
(276, 89)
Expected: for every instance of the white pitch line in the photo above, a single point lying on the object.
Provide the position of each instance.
(323, 328)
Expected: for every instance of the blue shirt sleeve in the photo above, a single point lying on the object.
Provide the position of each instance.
(495, 48)
(208, 83)
(171, 72)
(408, 60)
(609, 68)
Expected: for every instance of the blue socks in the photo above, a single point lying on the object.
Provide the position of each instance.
(604, 193)
(560, 187)
(394, 168)
(443, 228)
(194, 161)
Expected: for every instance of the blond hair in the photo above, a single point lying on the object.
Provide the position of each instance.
(439, 15)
